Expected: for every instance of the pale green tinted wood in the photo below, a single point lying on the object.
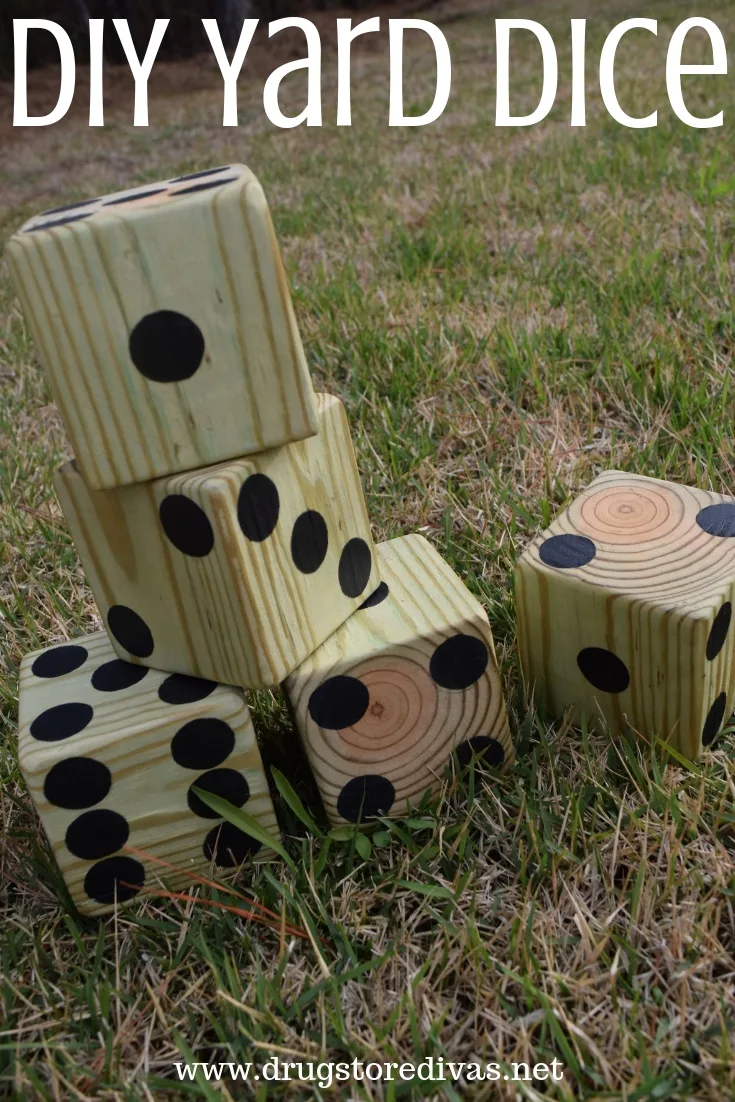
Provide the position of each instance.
(411, 724)
(650, 595)
(204, 249)
(242, 613)
(130, 732)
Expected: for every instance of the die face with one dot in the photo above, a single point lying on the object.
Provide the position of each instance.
(409, 679)
(625, 608)
(112, 753)
(163, 317)
(236, 572)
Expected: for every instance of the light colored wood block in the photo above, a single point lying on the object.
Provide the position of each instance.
(110, 752)
(407, 680)
(163, 317)
(234, 572)
(624, 609)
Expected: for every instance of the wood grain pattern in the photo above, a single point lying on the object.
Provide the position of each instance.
(202, 248)
(136, 736)
(643, 570)
(373, 704)
(241, 613)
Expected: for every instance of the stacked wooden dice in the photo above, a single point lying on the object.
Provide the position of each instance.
(216, 506)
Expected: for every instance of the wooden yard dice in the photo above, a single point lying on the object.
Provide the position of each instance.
(236, 572)
(625, 607)
(408, 679)
(111, 753)
(164, 321)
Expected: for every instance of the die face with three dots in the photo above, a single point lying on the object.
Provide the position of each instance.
(112, 753)
(625, 608)
(164, 321)
(409, 679)
(236, 572)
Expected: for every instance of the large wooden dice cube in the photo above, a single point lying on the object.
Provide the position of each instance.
(235, 572)
(625, 606)
(112, 753)
(407, 680)
(164, 321)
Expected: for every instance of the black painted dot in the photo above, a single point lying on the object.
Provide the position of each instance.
(603, 669)
(203, 187)
(180, 688)
(97, 834)
(376, 598)
(355, 564)
(59, 660)
(714, 719)
(116, 878)
(135, 198)
(59, 222)
(199, 175)
(718, 520)
(62, 721)
(718, 631)
(365, 797)
(567, 551)
(459, 662)
(166, 347)
(226, 783)
(339, 702)
(69, 206)
(202, 743)
(116, 675)
(229, 846)
(186, 525)
(75, 783)
(309, 541)
(487, 749)
(130, 630)
(258, 505)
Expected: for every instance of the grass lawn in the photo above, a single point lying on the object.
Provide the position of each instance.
(505, 313)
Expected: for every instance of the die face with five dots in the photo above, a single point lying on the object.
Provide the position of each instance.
(235, 572)
(164, 320)
(112, 753)
(625, 608)
(409, 679)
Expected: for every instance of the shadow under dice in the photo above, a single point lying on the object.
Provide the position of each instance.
(112, 753)
(407, 680)
(625, 608)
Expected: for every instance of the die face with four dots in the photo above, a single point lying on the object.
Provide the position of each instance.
(234, 573)
(164, 321)
(112, 753)
(625, 607)
(409, 679)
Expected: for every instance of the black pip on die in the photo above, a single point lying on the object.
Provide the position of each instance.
(164, 321)
(405, 682)
(112, 753)
(625, 609)
(235, 572)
